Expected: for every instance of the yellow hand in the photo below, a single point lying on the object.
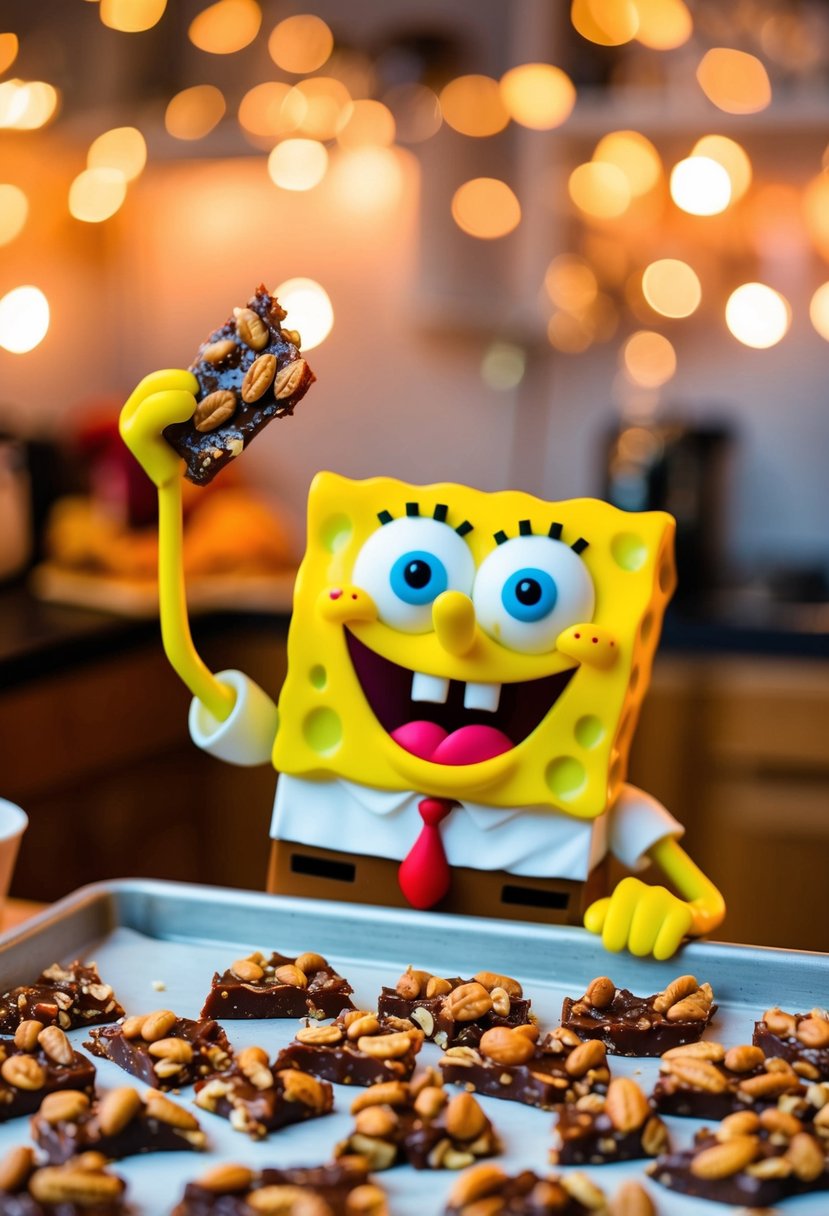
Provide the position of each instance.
(641, 918)
(161, 398)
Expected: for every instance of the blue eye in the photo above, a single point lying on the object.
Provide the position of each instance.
(418, 577)
(529, 594)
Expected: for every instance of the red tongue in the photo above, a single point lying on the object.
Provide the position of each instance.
(469, 745)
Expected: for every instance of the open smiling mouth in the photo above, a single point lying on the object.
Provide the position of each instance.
(449, 721)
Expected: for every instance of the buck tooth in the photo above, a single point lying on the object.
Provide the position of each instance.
(429, 688)
(482, 696)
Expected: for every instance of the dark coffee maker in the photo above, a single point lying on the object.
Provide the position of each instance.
(681, 468)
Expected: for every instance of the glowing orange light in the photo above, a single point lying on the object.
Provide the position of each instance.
(700, 186)
(757, 315)
(816, 212)
(569, 334)
(309, 308)
(733, 158)
(121, 148)
(671, 287)
(369, 123)
(131, 16)
(538, 95)
(734, 81)
(301, 44)
(298, 164)
(571, 283)
(96, 194)
(9, 46)
(367, 179)
(599, 189)
(648, 359)
(416, 111)
(486, 208)
(26, 105)
(226, 27)
(635, 155)
(327, 104)
(24, 319)
(194, 112)
(14, 208)
(266, 110)
(605, 22)
(819, 311)
(663, 24)
(473, 106)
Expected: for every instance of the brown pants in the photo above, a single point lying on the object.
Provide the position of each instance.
(298, 869)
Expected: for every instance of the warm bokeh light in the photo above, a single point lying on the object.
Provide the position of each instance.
(569, 334)
(700, 186)
(301, 44)
(503, 366)
(96, 194)
(538, 95)
(816, 212)
(486, 208)
(599, 189)
(9, 46)
(663, 24)
(131, 16)
(226, 26)
(14, 208)
(194, 112)
(368, 124)
(309, 308)
(605, 22)
(272, 109)
(416, 111)
(757, 315)
(26, 105)
(367, 180)
(671, 287)
(122, 148)
(570, 283)
(24, 319)
(819, 310)
(473, 106)
(734, 81)
(327, 105)
(648, 359)
(733, 158)
(635, 155)
(298, 164)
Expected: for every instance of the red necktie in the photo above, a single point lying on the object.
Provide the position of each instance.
(424, 874)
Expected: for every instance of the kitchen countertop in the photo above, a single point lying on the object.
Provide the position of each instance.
(38, 639)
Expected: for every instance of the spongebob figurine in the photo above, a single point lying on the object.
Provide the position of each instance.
(465, 673)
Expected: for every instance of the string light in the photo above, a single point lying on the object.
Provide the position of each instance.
(700, 186)
(9, 46)
(26, 105)
(131, 16)
(309, 309)
(819, 310)
(368, 123)
(473, 106)
(538, 95)
(605, 22)
(733, 158)
(226, 27)
(24, 319)
(635, 155)
(367, 179)
(734, 81)
(298, 164)
(671, 287)
(486, 208)
(503, 366)
(648, 359)
(663, 24)
(600, 190)
(96, 194)
(194, 112)
(301, 44)
(757, 315)
(122, 148)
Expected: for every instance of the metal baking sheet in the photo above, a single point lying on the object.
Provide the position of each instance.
(143, 933)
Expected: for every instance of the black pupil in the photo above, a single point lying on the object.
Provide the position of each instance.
(417, 574)
(528, 592)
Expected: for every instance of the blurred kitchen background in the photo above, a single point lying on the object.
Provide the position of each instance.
(576, 248)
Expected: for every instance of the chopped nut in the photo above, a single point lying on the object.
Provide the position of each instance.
(505, 1046)
(600, 992)
(325, 1036)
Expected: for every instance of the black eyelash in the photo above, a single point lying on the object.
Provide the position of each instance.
(385, 517)
(440, 512)
(555, 531)
(500, 538)
(464, 528)
(525, 528)
(412, 508)
(579, 546)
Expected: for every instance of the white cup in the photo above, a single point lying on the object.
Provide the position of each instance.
(13, 823)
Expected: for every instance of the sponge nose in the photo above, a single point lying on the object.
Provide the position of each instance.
(453, 616)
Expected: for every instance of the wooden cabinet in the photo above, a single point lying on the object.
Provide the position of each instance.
(738, 750)
(99, 757)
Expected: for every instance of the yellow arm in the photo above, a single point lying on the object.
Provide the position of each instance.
(647, 919)
(162, 398)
